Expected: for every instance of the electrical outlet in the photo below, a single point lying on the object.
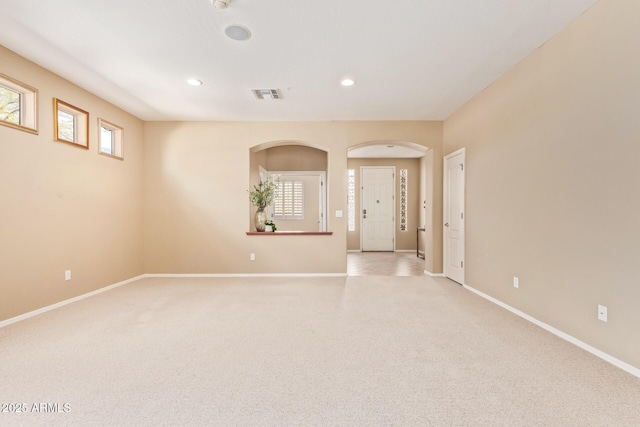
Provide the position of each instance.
(67, 275)
(252, 257)
(602, 313)
(516, 282)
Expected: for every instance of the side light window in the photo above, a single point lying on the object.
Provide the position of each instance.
(403, 199)
(351, 199)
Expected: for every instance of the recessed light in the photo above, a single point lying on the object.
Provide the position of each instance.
(237, 32)
(347, 82)
(194, 82)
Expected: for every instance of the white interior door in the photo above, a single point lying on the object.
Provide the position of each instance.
(378, 222)
(453, 215)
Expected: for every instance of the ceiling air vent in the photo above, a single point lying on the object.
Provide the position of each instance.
(266, 93)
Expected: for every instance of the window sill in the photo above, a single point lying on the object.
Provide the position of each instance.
(289, 233)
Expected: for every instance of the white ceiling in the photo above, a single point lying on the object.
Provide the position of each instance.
(387, 149)
(411, 60)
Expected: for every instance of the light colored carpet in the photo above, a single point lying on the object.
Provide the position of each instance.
(356, 351)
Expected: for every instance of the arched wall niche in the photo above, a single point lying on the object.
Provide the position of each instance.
(291, 160)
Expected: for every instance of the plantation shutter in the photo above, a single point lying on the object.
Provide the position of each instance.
(289, 201)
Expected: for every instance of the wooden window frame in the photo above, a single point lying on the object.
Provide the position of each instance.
(117, 140)
(28, 121)
(81, 124)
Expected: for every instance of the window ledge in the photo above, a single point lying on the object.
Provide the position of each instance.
(289, 233)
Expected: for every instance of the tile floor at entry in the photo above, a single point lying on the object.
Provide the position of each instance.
(384, 264)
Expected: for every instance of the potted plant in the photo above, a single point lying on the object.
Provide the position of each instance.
(270, 225)
(262, 196)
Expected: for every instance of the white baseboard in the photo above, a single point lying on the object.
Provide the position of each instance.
(143, 276)
(250, 275)
(602, 355)
(428, 273)
(396, 250)
(68, 301)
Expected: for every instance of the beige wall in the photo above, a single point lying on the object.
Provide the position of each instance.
(552, 181)
(431, 214)
(295, 158)
(405, 240)
(63, 207)
(197, 208)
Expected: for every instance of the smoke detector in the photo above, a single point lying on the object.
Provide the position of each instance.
(221, 4)
(266, 93)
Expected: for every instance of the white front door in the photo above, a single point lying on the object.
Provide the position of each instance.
(453, 216)
(378, 188)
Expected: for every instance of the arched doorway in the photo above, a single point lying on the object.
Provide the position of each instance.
(405, 164)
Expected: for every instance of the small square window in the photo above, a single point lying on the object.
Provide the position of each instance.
(110, 139)
(10, 105)
(71, 124)
(18, 105)
(66, 126)
(106, 140)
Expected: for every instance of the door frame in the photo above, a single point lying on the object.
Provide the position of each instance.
(445, 210)
(393, 200)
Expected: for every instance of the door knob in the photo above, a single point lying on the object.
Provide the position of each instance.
(446, 224)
